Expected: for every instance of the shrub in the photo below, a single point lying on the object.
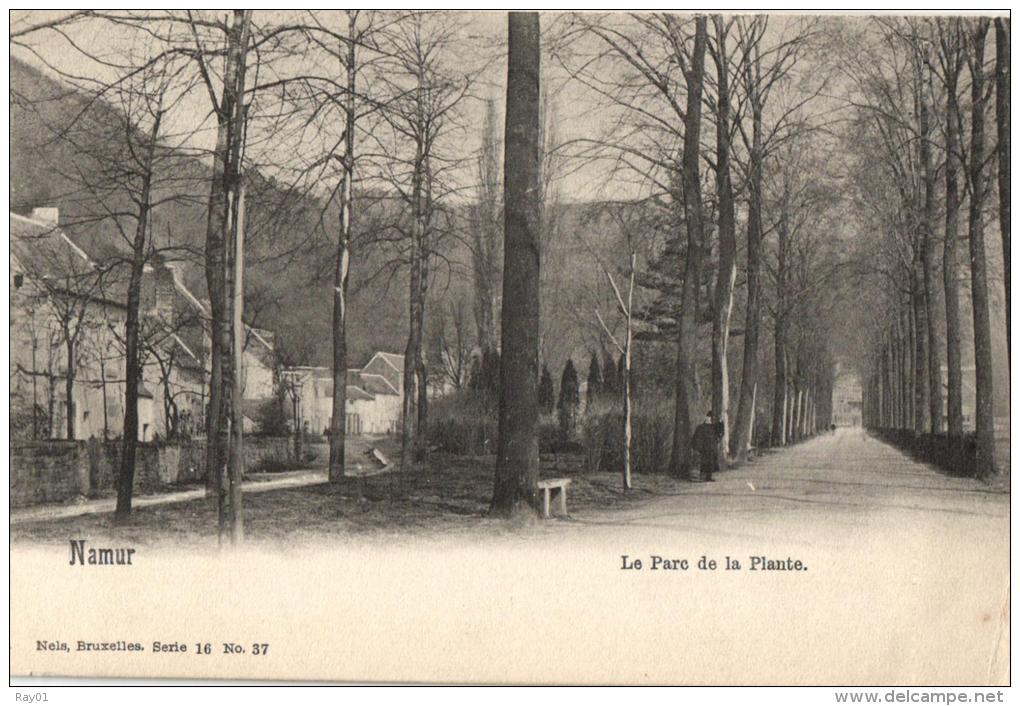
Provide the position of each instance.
(546, 392)
(570, 399)
(271, 417)
(463, 423)
(550, 437)
(651, 436)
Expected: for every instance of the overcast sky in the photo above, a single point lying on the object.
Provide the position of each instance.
(577, 112)
(72, 52)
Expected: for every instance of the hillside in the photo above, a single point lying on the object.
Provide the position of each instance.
(290, 252)
(288, 278)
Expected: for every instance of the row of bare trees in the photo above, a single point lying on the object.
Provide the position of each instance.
(319, 99)
(753, 82)
(924, 113)
(722, 125)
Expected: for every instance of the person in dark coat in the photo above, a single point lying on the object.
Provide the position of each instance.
(706, 443)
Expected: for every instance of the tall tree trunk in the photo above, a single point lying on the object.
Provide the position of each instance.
(950, 267)
(680, 458)
(1002, 119)
(625, 382)
(51, 431)
(422, 381)
(889, 421)
(894, 355)
(420, 371)
(517, 463)
(69, 385)
(485, 235)
(132, 363)
(338, 420)
(230, 513)
(216, 237)
(893, 377)
(902, 374)
(106, 411)
(797, 412)
(920, 328)
(752, 316)
(881, 407)
(235, 468)
(409, 431)
(985, 415)
(727, 273)
(779, 337)
(788, 400)
(930, 299)
(911, 363)
(409, 410)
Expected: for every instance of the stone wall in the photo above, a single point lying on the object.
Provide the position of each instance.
(49, 471)
(64, 471)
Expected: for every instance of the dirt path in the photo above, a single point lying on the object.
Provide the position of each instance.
(295, 479)
(903, 573)
(836, 483)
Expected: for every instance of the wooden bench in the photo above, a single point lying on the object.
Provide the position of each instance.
(547, 487)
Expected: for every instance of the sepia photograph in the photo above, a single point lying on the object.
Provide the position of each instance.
(551, 348)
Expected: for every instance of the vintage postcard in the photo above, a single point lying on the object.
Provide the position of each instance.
(510, 348)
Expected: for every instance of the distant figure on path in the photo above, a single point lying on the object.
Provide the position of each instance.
(706, 443)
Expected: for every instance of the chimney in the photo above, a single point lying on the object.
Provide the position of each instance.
(158, 288)
(148, 293)
(50, 216)
(165, 288)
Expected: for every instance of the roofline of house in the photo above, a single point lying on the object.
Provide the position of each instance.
(178, 285)
(383, 378)
(55, 228)
(259, 337)
(355, 387)
(187, 350)
(385, 360)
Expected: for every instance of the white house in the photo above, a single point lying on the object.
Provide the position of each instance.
(374, 394)
(55, 289)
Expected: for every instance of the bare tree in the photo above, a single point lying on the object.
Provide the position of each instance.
(1002, 113)
(451, 350)
(977, 183)
(765, 68)
(690, 185)
(726, 271)
(224, 202)
(517, 461)
(625, 307)
(125, 166)
(348, 43)
(68, 295)
(426, 94)
(950, 56)
(486, 236)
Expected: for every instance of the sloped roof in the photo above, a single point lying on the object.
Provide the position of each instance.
(360, 385)
(47, 253)
(376, 384)
(356, 393)
(191, 360)
(394, 359)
